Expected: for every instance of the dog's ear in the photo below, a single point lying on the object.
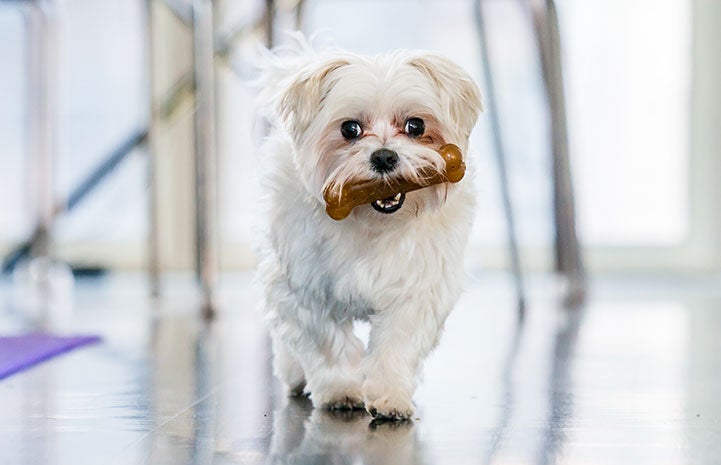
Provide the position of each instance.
(459, 94)
(303, 95)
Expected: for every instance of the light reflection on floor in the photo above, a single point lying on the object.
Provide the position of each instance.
(633, 378)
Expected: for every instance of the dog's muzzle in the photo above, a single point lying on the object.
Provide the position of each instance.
(389, 205)
(340, 202)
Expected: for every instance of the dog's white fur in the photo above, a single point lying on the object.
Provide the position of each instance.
(402, 272)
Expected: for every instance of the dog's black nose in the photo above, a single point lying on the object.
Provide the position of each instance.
(384, 160)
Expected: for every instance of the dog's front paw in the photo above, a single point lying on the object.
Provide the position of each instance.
(344, 397)
(391, 408)
(387, 403)
(345, 403)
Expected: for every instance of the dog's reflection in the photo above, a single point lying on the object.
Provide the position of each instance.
(303, 435)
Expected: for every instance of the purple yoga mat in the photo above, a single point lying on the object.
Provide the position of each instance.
(19, 353)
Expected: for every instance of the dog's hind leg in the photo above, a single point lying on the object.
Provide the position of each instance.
(287, 368)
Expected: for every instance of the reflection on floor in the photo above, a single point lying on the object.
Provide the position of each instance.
(632, 378)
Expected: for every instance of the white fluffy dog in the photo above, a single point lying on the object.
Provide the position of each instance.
(340, 117)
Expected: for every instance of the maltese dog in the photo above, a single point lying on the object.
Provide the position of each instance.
(397, 263)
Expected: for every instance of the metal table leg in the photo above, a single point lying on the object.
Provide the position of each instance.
(153, 246)
(501, 158)
(41, 118)
(46, 285)
(568, 253)
(269, 23)
(205, 153)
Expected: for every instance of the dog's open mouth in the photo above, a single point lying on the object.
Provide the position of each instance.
(391, 204)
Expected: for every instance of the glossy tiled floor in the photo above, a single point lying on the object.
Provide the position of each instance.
(635, 378)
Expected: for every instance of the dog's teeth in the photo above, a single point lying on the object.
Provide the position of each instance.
(389, 203)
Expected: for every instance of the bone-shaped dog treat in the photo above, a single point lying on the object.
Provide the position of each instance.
(339, 204)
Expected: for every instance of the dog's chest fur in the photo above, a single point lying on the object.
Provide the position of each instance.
(345, 271)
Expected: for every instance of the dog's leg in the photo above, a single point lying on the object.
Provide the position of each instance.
(400, 340)
(331, 356)
(327, 351)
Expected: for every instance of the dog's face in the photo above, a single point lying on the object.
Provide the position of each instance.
(354, 118)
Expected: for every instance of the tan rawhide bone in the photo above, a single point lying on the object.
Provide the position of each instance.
(339, 204)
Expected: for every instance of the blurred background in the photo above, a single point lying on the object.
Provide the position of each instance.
(641, 103)
(128, 185)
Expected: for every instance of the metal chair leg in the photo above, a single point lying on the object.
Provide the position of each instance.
(269, 23)
(299, 14)
(42, 125)
(153, 245)
(568, 253)
(501, 158)
(205, 154)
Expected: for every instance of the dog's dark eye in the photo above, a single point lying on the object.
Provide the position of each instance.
(351, 130)
(415, 127)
